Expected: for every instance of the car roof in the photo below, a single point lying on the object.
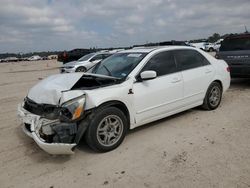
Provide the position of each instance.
(238, 36)
(138, 50)
(96, 53)
(150, 49)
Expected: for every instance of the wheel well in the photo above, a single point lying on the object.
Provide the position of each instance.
(219, 82)
(81, 67)
(120, 105)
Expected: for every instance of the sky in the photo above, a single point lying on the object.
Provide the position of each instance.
(45, 25)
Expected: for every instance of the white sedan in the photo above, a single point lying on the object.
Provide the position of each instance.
(84, 63)
(126, 90)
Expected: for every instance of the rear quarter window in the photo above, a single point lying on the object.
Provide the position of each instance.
(189, 59)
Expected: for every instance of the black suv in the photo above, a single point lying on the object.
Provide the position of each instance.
(235, 50)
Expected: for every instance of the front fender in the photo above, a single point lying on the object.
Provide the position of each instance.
(120, 92)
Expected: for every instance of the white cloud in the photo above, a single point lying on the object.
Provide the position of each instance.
(134, 19)
(160, 22)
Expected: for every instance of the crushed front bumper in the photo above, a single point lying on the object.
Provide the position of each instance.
(31, 125)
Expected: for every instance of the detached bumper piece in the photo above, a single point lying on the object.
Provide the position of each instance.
(52, 136)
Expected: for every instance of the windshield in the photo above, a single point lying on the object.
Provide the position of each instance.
(86, 57)
(119, 65)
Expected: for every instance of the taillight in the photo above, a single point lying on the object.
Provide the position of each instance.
(228, 69)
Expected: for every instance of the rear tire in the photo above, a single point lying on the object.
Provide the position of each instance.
(107, 129)
(213, 97)
(81, 69)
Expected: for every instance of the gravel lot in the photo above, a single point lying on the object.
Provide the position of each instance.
(193, 149)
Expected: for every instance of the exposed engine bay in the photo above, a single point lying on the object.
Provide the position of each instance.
(88, 82)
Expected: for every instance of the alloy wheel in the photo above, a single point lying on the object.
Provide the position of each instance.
(214, 96)
(109, 130)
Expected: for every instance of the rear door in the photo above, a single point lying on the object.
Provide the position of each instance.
(154, 99)
(197, 74)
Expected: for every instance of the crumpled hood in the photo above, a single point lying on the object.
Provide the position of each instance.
(48, 91)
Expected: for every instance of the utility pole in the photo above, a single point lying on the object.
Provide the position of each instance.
(246, 31)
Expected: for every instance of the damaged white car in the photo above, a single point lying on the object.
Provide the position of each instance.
(126, 90)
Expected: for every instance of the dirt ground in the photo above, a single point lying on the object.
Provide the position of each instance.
(193, 149)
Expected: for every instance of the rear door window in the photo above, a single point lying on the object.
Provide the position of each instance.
(97, 57)
(104, 56)
(189, 59)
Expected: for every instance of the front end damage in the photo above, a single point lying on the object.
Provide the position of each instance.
(54, 132)
(54, 114)
(33, 127)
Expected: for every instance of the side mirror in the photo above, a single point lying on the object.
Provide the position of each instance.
(148, 75)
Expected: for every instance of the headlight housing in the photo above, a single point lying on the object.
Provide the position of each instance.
(73, 109)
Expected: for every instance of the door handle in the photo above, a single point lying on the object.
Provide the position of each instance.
(175, 80)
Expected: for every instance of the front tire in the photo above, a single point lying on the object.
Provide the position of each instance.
(107, 129)
(211, 49)
(81, 69)
(213, 97)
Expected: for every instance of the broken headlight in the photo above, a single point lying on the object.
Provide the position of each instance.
(72, 109)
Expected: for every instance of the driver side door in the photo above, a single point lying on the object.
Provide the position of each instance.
(158, 97)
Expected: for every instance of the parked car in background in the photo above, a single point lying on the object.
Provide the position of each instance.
(10, 59)
(235, 50)
(129, 89)
(211, 47)
(199, 45)
(52, 57)
(84, 63)
(34, 58)
(217, 45)
(45, 58)
(73, 55)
